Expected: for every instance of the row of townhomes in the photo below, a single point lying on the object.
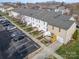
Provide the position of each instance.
(5, 8)
(50, 22)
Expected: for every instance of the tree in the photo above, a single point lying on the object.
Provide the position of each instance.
(75, 35)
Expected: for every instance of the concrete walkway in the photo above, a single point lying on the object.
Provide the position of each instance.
(55, 46)
(57, 56)
(50, 50)
(45, 53)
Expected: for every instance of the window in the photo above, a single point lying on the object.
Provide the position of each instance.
(39, 21)
(53, 27)
(59, 30)
(33, 23)
(47, 29)
(44, 23)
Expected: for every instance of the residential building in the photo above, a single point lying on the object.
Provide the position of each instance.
(63, 9)
(5, 8)
(76, 16)
(2, 9)
(48, 21)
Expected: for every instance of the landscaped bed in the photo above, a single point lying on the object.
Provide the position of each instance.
(45, 41)
(71, 50)
(35, 33)
(29, 29)
(39, 38)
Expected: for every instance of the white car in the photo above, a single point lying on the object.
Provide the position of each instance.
(10, 27)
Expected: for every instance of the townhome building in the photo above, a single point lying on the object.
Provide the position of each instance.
(63, 10)
(5, 8)
(48, 21)
(2, 9)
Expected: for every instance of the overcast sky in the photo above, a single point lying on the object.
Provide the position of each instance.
(33, 1)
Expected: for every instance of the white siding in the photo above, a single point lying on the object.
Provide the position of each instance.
(2, 10)
(41, 25)
(14, 14)
(70, 32)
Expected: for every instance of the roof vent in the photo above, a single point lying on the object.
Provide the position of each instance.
(31, 14)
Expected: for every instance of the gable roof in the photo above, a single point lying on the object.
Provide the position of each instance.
(53, 18)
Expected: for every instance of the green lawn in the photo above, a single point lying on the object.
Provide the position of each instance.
(29, 29)
(35, 33)
(45, 41)
(39, 38)
(50, 57)
(1, 26)
(71, 50)
(1, 13)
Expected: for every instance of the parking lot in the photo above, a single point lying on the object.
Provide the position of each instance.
(14, 44)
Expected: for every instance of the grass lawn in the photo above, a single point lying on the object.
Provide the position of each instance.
(1, 13)
(35, 33)
(39, 38)
(71, 50)
(45, 42)
(1, 26)
(29, 29)
(50, 57)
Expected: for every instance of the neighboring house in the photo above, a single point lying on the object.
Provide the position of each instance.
(62, 9)
(76, 16)
(9, 8)
(14, 14)
(2, 9)
(48, 21)
(5, 8)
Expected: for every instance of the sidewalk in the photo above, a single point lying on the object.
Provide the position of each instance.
(45, 53)
(50, 50)
(55, 46)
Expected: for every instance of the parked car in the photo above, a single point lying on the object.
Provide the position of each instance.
(16, 32)
(10, 27)
(18, 38)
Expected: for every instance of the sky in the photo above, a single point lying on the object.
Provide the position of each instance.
(33, 1)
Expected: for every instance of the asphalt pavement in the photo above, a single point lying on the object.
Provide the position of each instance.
(24, 47)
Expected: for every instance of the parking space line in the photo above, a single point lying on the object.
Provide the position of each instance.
(22, 44)
(30, 45)
(28, 38)
(27, 48)
(36, 45)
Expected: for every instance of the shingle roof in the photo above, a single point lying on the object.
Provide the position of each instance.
(53, 18)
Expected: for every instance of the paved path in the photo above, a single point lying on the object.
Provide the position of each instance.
(50, 50)
(55, 46)
(45, 53)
